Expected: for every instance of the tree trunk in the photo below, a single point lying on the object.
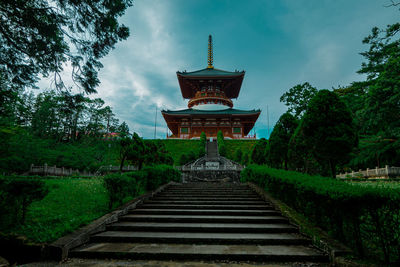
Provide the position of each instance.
(122, 163)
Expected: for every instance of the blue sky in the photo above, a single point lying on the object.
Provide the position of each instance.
(278, 43)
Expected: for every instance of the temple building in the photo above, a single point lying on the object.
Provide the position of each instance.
(210, 108)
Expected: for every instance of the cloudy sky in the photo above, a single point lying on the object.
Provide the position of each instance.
(278, 43)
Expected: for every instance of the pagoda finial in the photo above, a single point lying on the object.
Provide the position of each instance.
(210, 53)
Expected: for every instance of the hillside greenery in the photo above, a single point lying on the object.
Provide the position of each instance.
(363, 216)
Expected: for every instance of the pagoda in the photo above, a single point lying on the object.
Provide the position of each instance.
(210, 108)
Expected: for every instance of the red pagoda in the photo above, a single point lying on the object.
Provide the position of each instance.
(210, 92)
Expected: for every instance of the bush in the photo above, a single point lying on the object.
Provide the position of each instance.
(16, 195)
(120, 186)
(159, 175)
(365, 218)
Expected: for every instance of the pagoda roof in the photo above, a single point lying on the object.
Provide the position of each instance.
(229, 111)
(210, 72)
(229, 82)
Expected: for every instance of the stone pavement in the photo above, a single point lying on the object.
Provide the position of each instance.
(203, 222)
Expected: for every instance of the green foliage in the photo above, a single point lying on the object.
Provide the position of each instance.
(238, 155)
(328, 129)
(245, 159)
(183, 159)
(40, 37)
(70, 203)
(176, 148)
(260, 152)
(297, 98)
(246, 146)
(118, 187)
(203, 139)
(279, 140)
(159, 175)
(365, 218)
(221, 144)
(15, 197)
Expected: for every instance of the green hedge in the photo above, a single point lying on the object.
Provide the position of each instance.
(365, 218)
(131, 184)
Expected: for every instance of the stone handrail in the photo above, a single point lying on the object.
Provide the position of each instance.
(377, 172)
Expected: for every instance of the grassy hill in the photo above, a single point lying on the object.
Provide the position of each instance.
(179, 147)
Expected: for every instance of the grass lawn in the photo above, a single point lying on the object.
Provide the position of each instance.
(388, 184)
(179, 147)
(71, 203)
(245, 145)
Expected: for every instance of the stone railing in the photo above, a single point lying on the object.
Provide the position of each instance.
(111, 168)
(209, 168)
(46, 170)
(377, 172)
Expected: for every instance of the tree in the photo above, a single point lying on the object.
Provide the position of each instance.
(258, 155)
(297, 98)
(279, 140)
(40, 37)
(123, 129)
(328, 129)
(221, 144)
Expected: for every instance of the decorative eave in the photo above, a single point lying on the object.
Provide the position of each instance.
(249, 116)
(229, 82)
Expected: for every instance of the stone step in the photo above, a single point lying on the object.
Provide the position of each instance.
(203, 227)
(202, 206)
(201, 238)
(210, 190)
(208, 198)
(208, 202)
(202, 218)
(173, 252)
(204, 212)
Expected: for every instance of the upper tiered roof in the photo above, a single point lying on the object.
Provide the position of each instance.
(227, 81)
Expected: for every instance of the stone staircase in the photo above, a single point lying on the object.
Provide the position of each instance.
(203, 221)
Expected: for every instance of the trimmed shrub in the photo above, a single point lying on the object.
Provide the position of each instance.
(159, 175)
(120, 186)
(365, 218)
(16, 195)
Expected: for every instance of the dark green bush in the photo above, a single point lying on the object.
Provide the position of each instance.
(120, 186)
(16, 195)
(365, 218)
(159, 175)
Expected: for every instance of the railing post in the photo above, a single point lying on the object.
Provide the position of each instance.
(387, 170)
(62, 171)
(45, 169)
(352, 174)
(367, 172)
(31, 168)
(376, 170)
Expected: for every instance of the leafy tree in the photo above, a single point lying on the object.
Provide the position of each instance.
(328, 129)
(40, 37)
(221, 144)
(123, 129)
(279, 140)
(203, 139)
(258, 155)
(297, 98)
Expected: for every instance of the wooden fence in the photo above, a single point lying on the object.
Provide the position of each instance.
(377, 172)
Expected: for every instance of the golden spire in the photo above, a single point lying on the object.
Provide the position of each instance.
(210, 53)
